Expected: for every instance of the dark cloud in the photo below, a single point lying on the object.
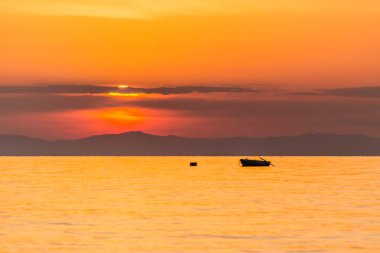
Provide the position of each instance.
(96, 89)
(269, 107)
(363, 92)
(222, 114)
(367, 92)
(274, 116)
(371, 123)
(307, 93)
(222, 105)
(230, 111)
(191, 89)
(19, 104)
(55, 89)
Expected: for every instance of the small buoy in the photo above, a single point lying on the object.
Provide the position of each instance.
(192, 164)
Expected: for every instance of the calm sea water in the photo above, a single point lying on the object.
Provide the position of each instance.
(160, 204)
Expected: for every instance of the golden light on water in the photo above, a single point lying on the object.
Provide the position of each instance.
(158, 204)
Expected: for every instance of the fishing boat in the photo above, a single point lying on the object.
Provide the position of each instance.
(250, 163)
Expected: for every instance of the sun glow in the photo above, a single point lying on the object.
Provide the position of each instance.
(120, 117)
(119, 114)
(123, 86)
(118, 94)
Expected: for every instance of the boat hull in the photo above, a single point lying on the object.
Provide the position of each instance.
(252, 163)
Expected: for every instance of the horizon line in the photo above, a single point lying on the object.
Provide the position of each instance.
(188, 137)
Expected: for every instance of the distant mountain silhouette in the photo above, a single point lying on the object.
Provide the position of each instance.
(139, 143)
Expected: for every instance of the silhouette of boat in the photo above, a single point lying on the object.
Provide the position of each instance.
(250, 163)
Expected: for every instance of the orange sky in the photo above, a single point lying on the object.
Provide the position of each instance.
(299, 56)
(289, 43)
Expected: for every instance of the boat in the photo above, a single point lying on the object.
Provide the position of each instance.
(250, 163)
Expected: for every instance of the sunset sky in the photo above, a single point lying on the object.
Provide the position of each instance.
(207, 68)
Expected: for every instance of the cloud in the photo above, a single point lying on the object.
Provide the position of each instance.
(55, 89)
(222, 114)
(368, 123)
(191, 89)
(261, 108)
(354, 92)
(231, 102)
(97, 89)
(37, 103)
(54, 98)
(367, 92)
(272, 115)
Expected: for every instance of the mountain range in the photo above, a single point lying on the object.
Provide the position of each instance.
(143, 144)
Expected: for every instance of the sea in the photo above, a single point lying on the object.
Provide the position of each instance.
(161, 204)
